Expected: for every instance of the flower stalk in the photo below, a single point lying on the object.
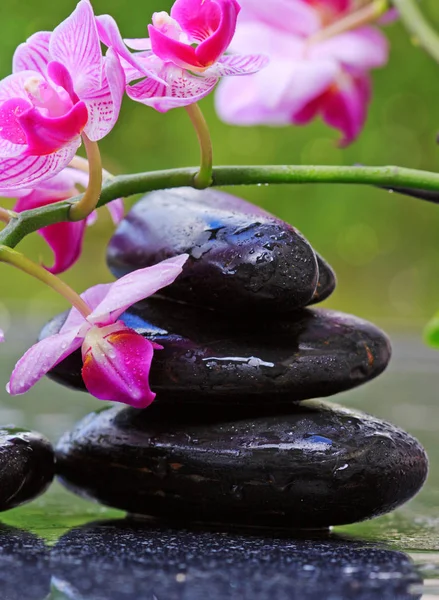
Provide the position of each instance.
(203, 178)
(390, 177)
(21, 262)
(414, 21)
(88, 202)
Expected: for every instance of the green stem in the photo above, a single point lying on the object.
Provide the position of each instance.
(18, 260)
(203, 178)
(127, 185)
(89, 200)
(418, 26)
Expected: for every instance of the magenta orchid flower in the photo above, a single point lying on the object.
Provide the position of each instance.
(61, 87)
(116, 359)
(65, 239)
(185, 51)
(305, 77)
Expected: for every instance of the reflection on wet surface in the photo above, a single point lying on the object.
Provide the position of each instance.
(55, 549)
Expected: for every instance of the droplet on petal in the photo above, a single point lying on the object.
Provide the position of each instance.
(117, 361)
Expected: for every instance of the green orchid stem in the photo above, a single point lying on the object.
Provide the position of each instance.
(203, 178)
(18, 260)
(415, 22)
(80, 210)
(126, 185)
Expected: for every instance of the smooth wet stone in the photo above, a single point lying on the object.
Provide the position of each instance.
(26, 466)
(127, 560)
(241, 257)
(311, 467)
(209, 358)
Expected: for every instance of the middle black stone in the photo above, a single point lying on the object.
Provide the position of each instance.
(209, 358)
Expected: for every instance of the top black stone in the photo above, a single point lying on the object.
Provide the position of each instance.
(241, 257)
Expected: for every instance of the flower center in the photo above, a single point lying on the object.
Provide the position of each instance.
(43, 96)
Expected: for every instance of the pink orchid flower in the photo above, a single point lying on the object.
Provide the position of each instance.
(185, 51)
(116, 359)
(65, 239)
(61, 86)
(2, 336)
(304, 77)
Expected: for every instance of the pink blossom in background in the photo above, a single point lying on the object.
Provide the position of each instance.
(2, 336)
(61, 86)
(185, 50)
(65, 239)
(116, 359)
(304, 79)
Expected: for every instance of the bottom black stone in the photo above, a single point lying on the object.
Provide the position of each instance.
(311, 467)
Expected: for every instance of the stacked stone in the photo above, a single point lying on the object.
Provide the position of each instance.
(233, 437)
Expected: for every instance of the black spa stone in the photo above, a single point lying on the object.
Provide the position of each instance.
(208, 358)
(26, 466)
(241, 258)
(311, 467)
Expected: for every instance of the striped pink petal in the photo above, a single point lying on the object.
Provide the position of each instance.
(75, 43)
(25, 171)
(236, 64)
(33, 54)
(103, 104)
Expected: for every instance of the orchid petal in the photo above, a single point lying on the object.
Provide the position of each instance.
(65, 240)
(236, 64)
(60, 75)
(216, 44)
(2, 336)
(92, 297)
(25, 171)
(75, 43)
(41, 358)
(33, 54)
(92, 218)
(199, 19)
(138, 43)
(287, 16)
(110, 36)
(104, 106)
(182, 89)
(116, 208)
(292, 85)
(170, 50)
(12, 136)
(117, 364)
(346, 108)
(46, 135)
(363, 49)
(13, 86)
(136, 286)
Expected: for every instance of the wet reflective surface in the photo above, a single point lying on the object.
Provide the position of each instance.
(60, 547)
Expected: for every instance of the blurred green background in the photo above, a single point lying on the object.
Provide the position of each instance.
(383, 246)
